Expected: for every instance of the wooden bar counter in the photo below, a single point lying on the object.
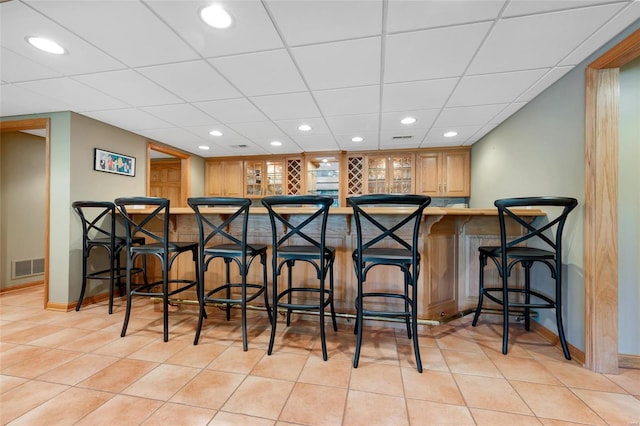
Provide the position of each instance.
(450, 237)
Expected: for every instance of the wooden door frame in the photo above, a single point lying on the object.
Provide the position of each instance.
(39, 124)
(185, 169)
(602, 95)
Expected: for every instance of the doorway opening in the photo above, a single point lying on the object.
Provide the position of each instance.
(39, 128)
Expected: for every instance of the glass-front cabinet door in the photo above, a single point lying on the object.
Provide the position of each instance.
(264, 177)
(401, 174)
(254, 176)
(390, 173)
(377, 182)
(275, 176)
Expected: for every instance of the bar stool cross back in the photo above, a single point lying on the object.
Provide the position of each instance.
(540, 248)
(224, 236)
(301, 238)
(99, 230)
(159, 246)
(389, 242)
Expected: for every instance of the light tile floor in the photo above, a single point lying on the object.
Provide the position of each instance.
(74, 368)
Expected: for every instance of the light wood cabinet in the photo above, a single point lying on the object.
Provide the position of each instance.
(389, 173)
(444, 173)
(273, 176)
(224, 178)
(165, 179)
(264, 177)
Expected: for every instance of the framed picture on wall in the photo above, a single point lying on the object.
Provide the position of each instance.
(110, 162)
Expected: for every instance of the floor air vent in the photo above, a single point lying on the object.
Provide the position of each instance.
(27, 268)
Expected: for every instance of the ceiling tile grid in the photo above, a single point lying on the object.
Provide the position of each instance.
(345, 68)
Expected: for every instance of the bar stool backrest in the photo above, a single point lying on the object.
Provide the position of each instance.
(294, 233)
(141, 223)
(535, 231)
(381, 233)
(98, 220)
(220, 231)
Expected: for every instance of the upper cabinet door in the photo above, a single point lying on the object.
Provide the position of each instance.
(457, 173)
(389, 173)
(444, 173)
(225, 178)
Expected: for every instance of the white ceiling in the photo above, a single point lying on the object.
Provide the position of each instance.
(347, 68)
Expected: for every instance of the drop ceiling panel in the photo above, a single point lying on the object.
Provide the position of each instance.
(176, 137)
(290, 127)
(229, 111)
(605, 33)
(20, 21)
(518, 44)
(370, 142)
(340, 64)
(183, 115)
(356, 100)
(129, 118)
(352, 124)
(429, 54)
(436, 137)
(407, 138)
(417, 95)
(529, 7)
(257, 130)
(126, 30)
(405, 15)
(261, 73)
(129, 87)
(286, 106)
(547, 80)
(306, 22)
(424, 120)
(252, 29)
(493, 88)
(78, 96)
(506, 113)
(17, 100)
(317, 143)
(192, 81)
(465, 116)
(15, 68)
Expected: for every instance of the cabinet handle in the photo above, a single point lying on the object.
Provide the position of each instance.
(445, 187)
(439, 187)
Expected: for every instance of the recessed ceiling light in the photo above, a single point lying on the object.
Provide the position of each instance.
(357, 139)
(276, 143)
(304, 127)
(408, 120)
(216, 16)
(450, 134)
(203, 147)
(215, 133)
(46, 45)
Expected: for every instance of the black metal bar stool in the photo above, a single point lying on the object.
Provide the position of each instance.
(99, 230)
(391, 240)
(541, 247)
(159, 246)
(301, 237)
(223, 235)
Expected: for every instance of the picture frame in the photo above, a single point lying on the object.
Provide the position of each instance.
(112, 162)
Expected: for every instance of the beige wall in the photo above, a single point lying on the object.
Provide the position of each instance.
(22, 203)
(628, 210)
(89, 184)
(73, 138)
(540, 151)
